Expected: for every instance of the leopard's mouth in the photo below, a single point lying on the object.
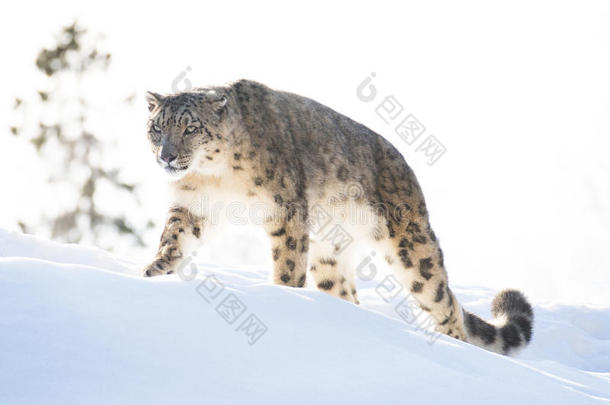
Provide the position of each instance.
(171, 168)
(175, 170)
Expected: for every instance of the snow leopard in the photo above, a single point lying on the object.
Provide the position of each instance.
(304, 166)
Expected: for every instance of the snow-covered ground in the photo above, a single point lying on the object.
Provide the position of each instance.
(78, 326)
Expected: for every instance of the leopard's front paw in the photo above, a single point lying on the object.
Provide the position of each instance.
(159, 267)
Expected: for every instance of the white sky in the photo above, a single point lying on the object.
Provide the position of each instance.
(518, 93)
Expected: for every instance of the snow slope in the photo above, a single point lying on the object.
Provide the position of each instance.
(77, 326)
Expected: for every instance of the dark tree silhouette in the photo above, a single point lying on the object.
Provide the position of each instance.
(70, 150)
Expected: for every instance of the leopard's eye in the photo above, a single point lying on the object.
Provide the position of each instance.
(156, 129)
(191, 129)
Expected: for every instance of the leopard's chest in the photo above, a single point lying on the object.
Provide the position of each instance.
(227, 199)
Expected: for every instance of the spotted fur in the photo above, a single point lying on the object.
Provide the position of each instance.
(297, 158)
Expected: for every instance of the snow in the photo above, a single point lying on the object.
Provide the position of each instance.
(79, 326)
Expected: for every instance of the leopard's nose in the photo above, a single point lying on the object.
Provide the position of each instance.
(168, 157)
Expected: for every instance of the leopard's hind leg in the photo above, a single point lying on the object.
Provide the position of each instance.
(416, 259)
(329, 270)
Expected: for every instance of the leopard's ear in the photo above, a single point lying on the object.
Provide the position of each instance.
(153, 100)
(220, 104)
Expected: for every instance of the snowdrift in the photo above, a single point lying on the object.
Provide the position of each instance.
(79, 326)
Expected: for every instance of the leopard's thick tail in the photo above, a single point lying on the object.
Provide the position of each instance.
(510, 330)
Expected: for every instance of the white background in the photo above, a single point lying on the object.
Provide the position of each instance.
(517, 92)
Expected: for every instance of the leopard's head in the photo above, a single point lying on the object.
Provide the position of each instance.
(187, 131)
